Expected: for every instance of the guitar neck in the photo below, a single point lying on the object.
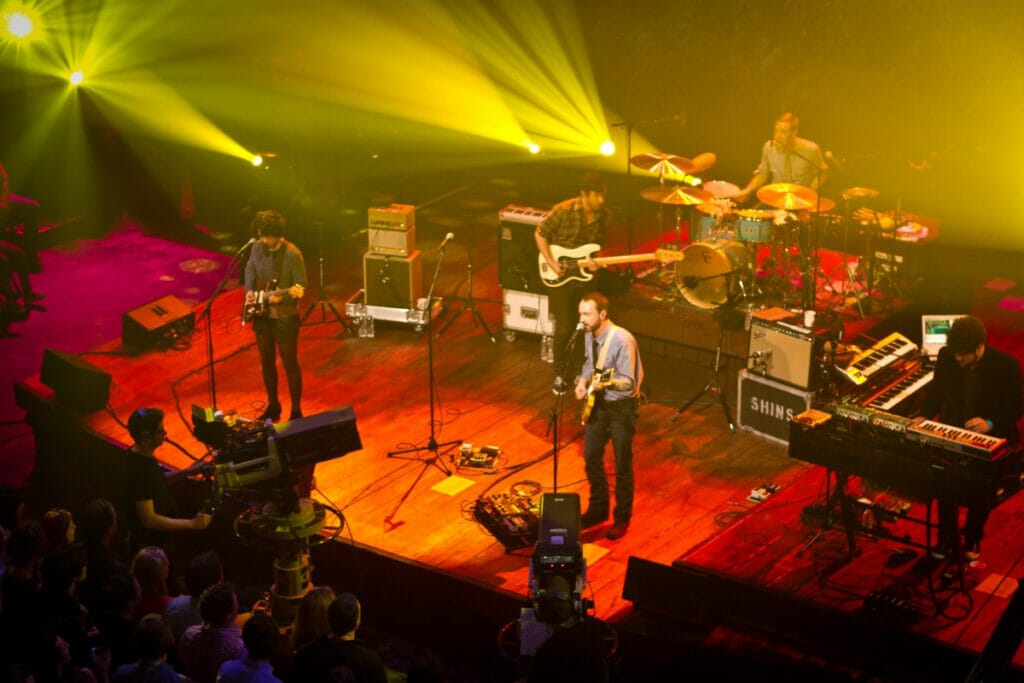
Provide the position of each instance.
(615, 260)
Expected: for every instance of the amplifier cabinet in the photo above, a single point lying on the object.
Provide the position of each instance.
(393, 281)
(392, 242)
(517, 249)
(783, 352)
(766, 406)
(527, 312)
(393, 217)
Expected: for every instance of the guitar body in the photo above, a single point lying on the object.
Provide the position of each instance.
(575, 261)
(259, 307)
(588, 405)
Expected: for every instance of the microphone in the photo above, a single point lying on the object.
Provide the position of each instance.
(447, 238)
(575, 334)
(836, 164)
(248, 244)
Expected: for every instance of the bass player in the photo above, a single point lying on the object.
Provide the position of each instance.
(572, 223)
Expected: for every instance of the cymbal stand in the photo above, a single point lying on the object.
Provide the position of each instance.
(436, 449)
(468, 302)
(713, 385)
(321, 295)
(846, 282)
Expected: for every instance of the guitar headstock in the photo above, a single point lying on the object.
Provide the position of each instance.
(669, 255)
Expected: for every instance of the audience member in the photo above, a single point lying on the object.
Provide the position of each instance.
(97, 530)
(260, 635)
(311, 617)
(117, 617)
(151, 569)
(340, 654)
(62, 570)
(153, 641)
(205, 647)
(19, 591)
(59, 527)
(49, 658)
(181, 612)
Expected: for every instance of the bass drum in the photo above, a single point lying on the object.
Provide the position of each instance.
(711, 270)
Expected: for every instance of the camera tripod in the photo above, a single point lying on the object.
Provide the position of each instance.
(321, 295)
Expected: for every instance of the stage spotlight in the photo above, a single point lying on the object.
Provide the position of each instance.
(256, 160)
(533, 147)
(18, 24)
(76, 77)
(607, 148)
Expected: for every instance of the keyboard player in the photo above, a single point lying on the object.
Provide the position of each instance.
(976, 387)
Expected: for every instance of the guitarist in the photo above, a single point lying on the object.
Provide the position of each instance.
(276, 261)
(609, 347)
(572, 223)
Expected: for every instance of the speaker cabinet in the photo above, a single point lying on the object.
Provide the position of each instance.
(783, 352)
(517, 249)
(393, 281)
(164, 319)
(78, 384)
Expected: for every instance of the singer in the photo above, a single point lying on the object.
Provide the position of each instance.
(614, 412)
(570, 224)
(787, 158)
(277, 271)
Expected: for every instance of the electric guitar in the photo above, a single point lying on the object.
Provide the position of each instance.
(575, 262)
(259, 307)
(588, 407)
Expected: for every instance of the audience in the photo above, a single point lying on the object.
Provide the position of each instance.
(339, 654)
(117, 617)
(151, 569)
(98, 529)
(153, 642)
(181, 612)
(59, 528)
(205, 647)
(58, 608)
(261, 636)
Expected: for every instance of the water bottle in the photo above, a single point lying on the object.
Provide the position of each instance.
(547, 349)
(368, 325)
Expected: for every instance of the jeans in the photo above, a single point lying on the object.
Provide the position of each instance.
(614, 420)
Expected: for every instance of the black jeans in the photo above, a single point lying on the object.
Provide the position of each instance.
(282, 334)
(615, 421)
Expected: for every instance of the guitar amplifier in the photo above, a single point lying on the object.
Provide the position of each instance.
(783, 352)
(393, 281)
(393, 217)
(767, 407)
(392, 242)
(527, 312)
(517, 249)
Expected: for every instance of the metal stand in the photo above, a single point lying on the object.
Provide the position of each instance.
(436, 449)
(321, 295)
(713, 386)
(830, 503)
(468, 302)
(207, 313)
(849, 284)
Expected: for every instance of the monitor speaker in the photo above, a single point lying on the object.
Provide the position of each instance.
(164, 319)
(78, 384)
(393, 281)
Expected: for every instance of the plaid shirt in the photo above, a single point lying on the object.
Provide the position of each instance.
(566, 225)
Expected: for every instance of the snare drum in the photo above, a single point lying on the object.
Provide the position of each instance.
(711, 270)
(754, 225)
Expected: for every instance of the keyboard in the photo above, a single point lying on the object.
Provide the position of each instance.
(956, 439)
(882, 354)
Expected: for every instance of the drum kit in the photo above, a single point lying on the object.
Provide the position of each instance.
(739, 256)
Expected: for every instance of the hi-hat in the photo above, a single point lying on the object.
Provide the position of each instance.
(788, 196)
(684, 196)
(860, 193)
(657, 162)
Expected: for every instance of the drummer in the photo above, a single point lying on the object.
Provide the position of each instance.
(787, 158)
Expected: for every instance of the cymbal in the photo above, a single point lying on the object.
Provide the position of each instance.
(657, 162)
(788, 196)
(824, 205)
(704, 161)
(683, 196)
(722, 189)
(860, 193)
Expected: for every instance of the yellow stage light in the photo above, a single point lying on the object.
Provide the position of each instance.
(607, 148)
(257, 160)
(18, 24)
(533, 147)
(76, 77)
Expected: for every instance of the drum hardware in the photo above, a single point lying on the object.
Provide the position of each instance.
(679, 196)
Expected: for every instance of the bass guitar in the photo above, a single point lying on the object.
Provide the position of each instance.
(576, 260)
(588, 406)
(259, 305)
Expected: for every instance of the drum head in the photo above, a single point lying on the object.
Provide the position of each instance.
(705, 275)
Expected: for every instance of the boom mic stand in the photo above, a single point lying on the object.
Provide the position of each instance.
(209, 320)
(321, 295)
(433, 446)
(468, 302)
(713, 385)
(559, 389)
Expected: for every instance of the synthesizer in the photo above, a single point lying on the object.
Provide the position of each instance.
(522, 214)
(955, 439)
(878, 357)
(906, 387)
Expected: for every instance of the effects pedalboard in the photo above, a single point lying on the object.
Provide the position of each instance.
(484, 457)
(512, 518)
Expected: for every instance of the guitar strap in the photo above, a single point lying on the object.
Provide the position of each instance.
(602, 355)
(278, 264)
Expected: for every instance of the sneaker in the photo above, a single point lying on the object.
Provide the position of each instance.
(972, 551)
(618, 530)
(590, 519)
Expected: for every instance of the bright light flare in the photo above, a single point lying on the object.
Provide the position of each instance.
(607, 148)
(76, 77)
(256, 160)
(533, 147)
(18, 24)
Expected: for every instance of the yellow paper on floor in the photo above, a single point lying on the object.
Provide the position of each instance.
(593, 552)
(998, 585)
(453, 485)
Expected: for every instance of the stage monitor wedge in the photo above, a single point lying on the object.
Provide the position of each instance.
(77, 383)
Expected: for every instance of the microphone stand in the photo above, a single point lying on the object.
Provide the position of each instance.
(810, 262)
(209, 321)
(437, 449)
(559, 389)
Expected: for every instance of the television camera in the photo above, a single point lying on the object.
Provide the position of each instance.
(260, 462)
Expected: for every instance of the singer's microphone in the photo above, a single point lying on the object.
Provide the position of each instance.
(447, 238)
(575, 334)
(248, 244)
